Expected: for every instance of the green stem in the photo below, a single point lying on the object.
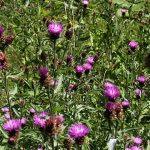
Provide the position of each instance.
(7, 93)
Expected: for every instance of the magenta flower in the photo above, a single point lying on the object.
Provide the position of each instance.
(142, 80)
(109, 85)
(78, 130)
(135, 148)
(112, 93)
(40, 119)
(12, 125)
(55, 30)
(5, 109)
(85, 3)
(133, 45)
(43, 72)
(7, 116)
(23, 121)
(79, 71)
(128, 148)
(125, 104)
(110, 106)
(32, 110)
(123, 11)
(1, 30)
(90, 60)
(137, 141)
(137, 93)
(87, 67)
(73, 87)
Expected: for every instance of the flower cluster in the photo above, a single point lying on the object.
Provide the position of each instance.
(48, 124)
(137, 142)
(86, 67)
(45, 79)
(114, 109)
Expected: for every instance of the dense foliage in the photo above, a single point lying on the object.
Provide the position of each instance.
(74, 74)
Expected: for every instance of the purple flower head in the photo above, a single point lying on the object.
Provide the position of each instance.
(7, 116)
(79, 71)
(128, 148)
(43, 72)
(110, 106)
(1, 30)
(23, 121)
(135, 148)
(123, 11)
(90, 60)
(73, 86)
(137, 141)
(142, 80)
(87, 67)
(32, 110)
(5, 109)
(78, 130)
(125, 104)
(137, 93)
(85, 3)
(108, 85)
(55, 29)
(133, 45)
(40, 119)
(112, 93)
(12, 125)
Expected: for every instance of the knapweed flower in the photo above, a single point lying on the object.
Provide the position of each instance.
(78, 132)
(142, 80)
(135, 148)
(125, 104)
(7, 116)
(73, 86)
(87, 67)
(32, 111)
(45, 78)
(137, 93)
(55, 30)
(43, 72)
(12, 126)
(1, 30)
(79, 71)
(85, 3)
(137, 141)
(90, 60)
(133, 45)
(123, 11)
(53, 124)
(109, 85)
(128, 148)
(40, 148)
(23, 121)
(113, 110)
(112, 93)
(40, 119)
(5, 109)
